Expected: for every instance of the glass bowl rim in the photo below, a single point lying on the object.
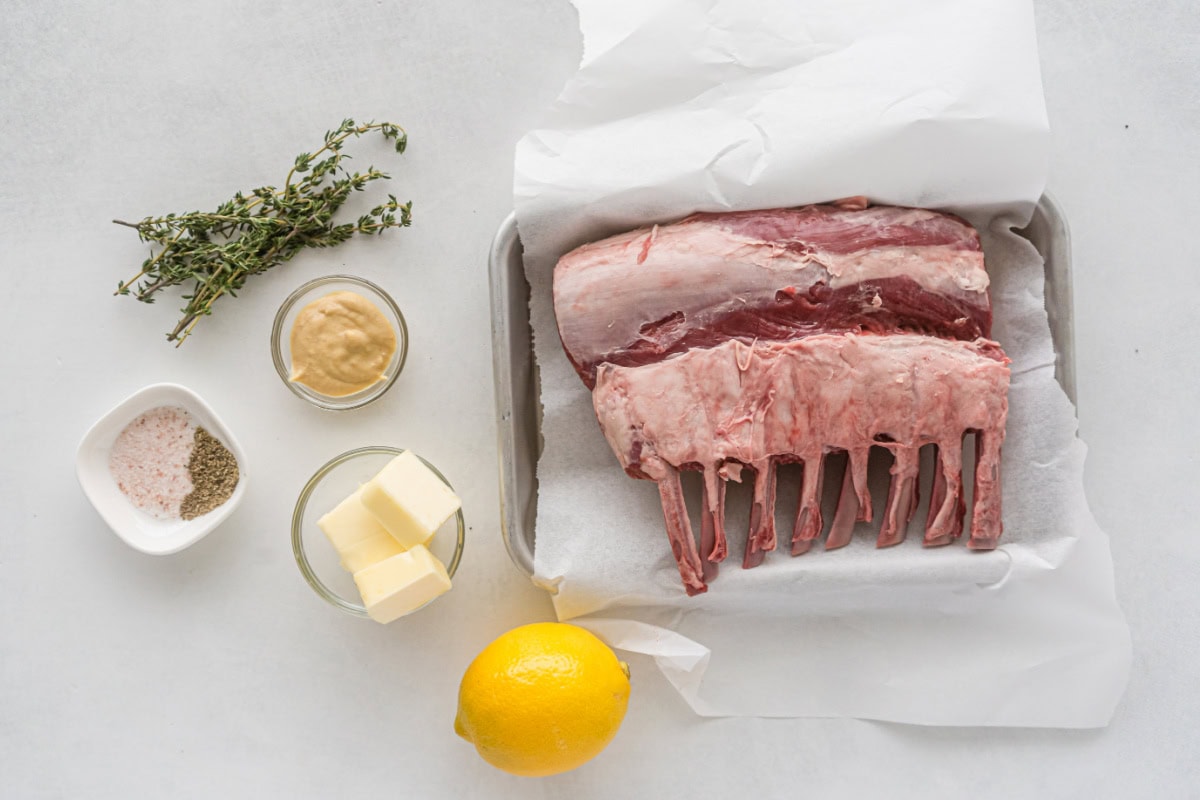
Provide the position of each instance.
(301, 556)
(373, 392)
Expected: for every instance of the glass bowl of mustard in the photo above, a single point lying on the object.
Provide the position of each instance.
(339, 342)
(333, 482)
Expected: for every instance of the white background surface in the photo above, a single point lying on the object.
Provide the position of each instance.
(217, 672)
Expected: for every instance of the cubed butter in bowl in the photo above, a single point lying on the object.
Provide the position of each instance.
(383, 558)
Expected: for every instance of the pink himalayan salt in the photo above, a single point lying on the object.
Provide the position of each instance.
(149, 460)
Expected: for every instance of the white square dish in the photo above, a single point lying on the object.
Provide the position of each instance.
(138, 529)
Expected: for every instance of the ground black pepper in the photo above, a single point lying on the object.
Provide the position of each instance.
(214, 473)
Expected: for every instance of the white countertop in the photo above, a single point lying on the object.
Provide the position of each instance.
(218, 673)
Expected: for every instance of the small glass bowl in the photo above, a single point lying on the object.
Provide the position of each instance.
(332, 483)
(281, 335)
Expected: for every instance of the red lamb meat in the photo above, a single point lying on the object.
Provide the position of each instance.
(752, 339)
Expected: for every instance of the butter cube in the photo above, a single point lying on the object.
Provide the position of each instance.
(356, 535)
(370, 550)
(395, 586)
(409, 500)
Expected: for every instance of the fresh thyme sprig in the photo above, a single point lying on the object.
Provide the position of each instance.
(251, 233)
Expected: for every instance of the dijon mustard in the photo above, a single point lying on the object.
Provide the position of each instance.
(341, 344)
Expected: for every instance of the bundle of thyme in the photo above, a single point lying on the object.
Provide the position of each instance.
(215, 252)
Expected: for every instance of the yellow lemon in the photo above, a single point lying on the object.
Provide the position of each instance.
(542, 699)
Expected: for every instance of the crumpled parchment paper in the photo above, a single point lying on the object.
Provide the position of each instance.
(686, 105)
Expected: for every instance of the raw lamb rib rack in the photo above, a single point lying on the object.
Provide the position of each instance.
(753, 339)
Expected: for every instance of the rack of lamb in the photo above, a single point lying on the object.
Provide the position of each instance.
(742, 341)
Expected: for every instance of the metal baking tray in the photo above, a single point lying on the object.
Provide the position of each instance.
(518, 390)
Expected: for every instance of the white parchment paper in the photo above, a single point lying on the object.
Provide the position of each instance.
(686, 105)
